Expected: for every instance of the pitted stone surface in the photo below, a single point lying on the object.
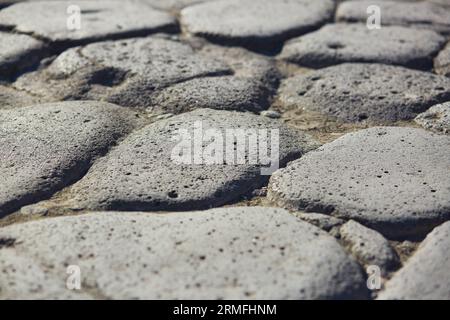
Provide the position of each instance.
(99, 20)
(338, 43)
(229, 253)
(18, 51)
(145, 173)
(442, 62)
(425, 274)
(420, 14)
(11, 98)
(369, 247)
(257, 24)
(393, 180)
(158, 73)
(436, 118)
(353, 92)
(46, 147)
(250, 87)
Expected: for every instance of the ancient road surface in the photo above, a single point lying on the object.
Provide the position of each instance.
(121, 154)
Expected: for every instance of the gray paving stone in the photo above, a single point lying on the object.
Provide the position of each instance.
(18, 52)
(142, 173)
(436, 118)
(392, 179)
(99, 20)
(165, 75)
(353, 92)
(227, 253)
(425, 274)
(11, 98)
(442, 62)
(338, 43)
(46, 147)
(369, 247)
(257, 24)
(250, 87)
(421, 14)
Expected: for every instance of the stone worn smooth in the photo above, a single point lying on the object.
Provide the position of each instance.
(17, 52)
(229, 253)
(442, 62)
(339, 43)
(369, 247)
(46, 147)
(142, 173)
(99, 20)
(164, 75)
(436, 118)
(394, 180)
(420, 14)
(353, 92)
(256, 24)
(425, 274)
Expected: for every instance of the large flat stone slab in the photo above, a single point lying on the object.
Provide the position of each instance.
(164, 166)
(46, 147)
(420, 14)
(255, 24)
(354, 92)
(436, 118)
(99, 20)
(425, 274)
(339, 43)
(17, 52)
(229, 253)
(165, 75)
(393, 180)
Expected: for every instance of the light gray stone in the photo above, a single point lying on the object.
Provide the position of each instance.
(164, 75)
(99, 20)
(46, 147)
(228, 253)
(425, 274)
(146, 172)
(436, 118)
(339, 43)
(353, 92)
(442, 62)
(250, 87)
(420, 14)
(369, 247)
(17, 52)
(392, 179)
(257, 24)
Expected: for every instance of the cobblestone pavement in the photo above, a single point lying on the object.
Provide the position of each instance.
(225, 149)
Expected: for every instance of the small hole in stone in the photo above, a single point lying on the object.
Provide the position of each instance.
(335, 45)
(173, 194)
